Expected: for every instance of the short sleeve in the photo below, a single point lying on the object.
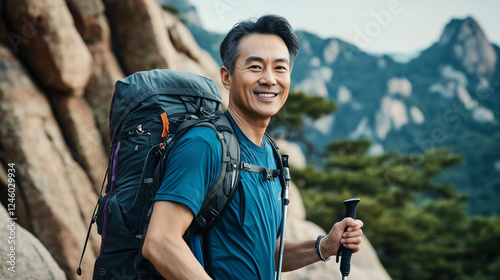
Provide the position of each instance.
(192, 167)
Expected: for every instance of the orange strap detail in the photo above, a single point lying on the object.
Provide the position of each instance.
(165, 124)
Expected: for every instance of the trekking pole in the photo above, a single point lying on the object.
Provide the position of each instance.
(286, 175)
(345, 263)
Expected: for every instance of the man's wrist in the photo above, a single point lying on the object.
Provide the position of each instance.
(318, 248)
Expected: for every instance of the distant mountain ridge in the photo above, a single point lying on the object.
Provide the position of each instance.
(447, 96)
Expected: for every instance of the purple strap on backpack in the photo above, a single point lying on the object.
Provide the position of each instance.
(114, 163)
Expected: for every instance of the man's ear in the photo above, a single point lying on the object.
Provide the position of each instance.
(225, 77)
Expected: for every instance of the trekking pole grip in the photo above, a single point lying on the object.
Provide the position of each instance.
(345, 262)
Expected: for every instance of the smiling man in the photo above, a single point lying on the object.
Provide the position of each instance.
(258, 58)
(258, 83)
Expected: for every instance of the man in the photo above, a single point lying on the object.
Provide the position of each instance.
(258, 59)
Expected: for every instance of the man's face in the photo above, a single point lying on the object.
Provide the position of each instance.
(261, 80)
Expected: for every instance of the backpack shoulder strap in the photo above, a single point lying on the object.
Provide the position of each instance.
(218, 197)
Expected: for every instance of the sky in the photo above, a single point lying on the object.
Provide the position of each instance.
(375, 26)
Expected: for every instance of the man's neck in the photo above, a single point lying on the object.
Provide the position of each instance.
(253, 129)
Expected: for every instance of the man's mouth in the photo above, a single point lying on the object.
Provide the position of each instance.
(266, 95)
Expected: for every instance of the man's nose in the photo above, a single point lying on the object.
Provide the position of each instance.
(267, 78)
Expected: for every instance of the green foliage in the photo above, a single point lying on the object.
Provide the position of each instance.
(417, 226)
(343, 146)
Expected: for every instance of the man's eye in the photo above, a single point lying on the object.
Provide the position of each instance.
(281, 68)
(254, 67)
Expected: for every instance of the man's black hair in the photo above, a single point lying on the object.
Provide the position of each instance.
(267, 24)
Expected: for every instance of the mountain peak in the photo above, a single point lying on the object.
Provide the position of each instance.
(457, 27)
(470, 46)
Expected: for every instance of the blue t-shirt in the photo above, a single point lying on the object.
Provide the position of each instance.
(242, 244)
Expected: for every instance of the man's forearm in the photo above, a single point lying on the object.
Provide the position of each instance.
(174, 260)
(298, 254)
(164, 246)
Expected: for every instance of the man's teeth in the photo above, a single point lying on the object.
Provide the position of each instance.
(267, 94)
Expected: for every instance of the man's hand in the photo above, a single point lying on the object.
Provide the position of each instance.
(351, 239)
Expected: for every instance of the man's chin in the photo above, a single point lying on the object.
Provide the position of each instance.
(268, 113)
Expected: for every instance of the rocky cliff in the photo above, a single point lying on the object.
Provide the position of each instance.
(470, 46)
(58, 65)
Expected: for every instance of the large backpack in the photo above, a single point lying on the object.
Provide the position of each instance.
(150, 111)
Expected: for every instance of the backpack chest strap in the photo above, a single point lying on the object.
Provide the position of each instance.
(268, 173)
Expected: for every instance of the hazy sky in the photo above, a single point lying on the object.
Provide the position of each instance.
(377, 26)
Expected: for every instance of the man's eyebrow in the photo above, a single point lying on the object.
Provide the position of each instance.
(260, 59)
(284, 59)
(253, 58)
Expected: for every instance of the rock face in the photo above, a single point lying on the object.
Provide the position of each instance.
(93, 26)
(43, 34)
(470, 46)
(54, 189)
(139, 37)
(59, 61)
(29, 259)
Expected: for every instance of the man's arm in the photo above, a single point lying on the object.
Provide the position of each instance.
(300, 254)
(164, 246)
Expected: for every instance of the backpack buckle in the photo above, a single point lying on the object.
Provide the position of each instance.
(269, 174)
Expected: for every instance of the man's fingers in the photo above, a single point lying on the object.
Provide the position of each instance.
(360, 223)
(354, 247)
(353, 225)
(355, 233)
(354, 239)
(352, 243)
